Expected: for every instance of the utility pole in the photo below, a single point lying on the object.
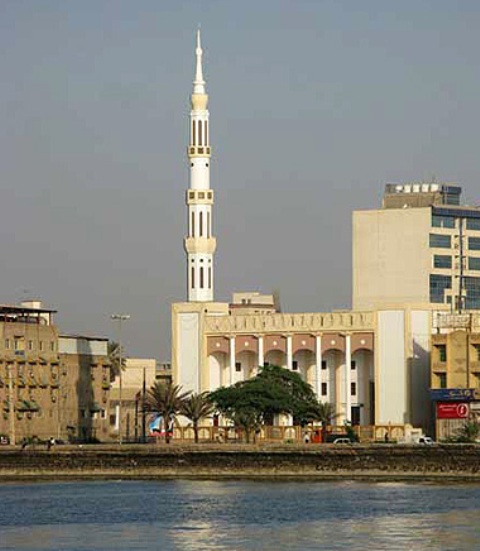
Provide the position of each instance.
(120, 318)
(11, 406)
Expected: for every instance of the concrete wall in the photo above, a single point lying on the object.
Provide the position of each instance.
(391, 257)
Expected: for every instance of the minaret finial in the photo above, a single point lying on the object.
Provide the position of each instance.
(199, 82)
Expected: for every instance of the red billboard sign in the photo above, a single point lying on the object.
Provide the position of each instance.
(452, 410)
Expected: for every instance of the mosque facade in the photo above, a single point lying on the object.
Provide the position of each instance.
(371, 363)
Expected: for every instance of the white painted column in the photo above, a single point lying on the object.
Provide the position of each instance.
(318, 366)
(289, 352)
(348, 371)
(232, 360)
(260, 351)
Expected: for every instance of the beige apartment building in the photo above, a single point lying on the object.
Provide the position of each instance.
(422, 247)
(51, 385)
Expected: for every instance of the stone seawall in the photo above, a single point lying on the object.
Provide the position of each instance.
(386, 462)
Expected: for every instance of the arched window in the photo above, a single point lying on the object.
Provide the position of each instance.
(206, 132)
(201, 277)
(208, 224)
(201, 224)
(209, 277)
(194, 133)
(193, 225)
(200, 133)
(193, 277)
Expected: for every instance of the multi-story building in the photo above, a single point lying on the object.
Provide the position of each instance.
(422, 247)
(48, 382)
(455, 371)
(84, 388)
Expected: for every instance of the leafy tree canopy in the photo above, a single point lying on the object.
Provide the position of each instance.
(273, 391)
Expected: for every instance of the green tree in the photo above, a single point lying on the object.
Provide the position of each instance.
(325, 414)
(469, 432)
(166, 399)
(274, 390)
(196, 407)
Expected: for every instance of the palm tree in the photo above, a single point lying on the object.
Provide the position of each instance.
(166, 399)
(325, 413)
(196, 407)
(113, 349)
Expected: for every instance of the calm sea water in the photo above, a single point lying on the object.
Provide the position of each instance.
(198, 515)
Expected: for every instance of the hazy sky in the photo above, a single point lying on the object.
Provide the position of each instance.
(314, 105)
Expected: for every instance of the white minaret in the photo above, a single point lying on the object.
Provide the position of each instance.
(199, 244)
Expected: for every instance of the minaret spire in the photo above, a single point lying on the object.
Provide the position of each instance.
(199, 82)
(200, 244)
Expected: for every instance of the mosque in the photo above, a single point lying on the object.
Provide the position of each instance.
(372, 362)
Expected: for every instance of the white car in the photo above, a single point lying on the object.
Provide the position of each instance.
(426, 440)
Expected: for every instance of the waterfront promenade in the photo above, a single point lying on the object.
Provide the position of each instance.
(233, 461)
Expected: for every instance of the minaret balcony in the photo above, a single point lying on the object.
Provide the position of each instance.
(199, 151)
(199, 197)
(201, 245)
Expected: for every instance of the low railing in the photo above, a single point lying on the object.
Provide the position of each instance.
(277, 433)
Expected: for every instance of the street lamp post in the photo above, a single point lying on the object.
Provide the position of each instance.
(120, 318)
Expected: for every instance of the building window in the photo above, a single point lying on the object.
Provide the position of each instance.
(353, 365)
(474, 243)
(201, 224)
(201, 277)
(52, 346)
(238, 367)
(443, 221)
(477, 352)
(442, 261)
(439, 241)
(30, 345)
(209, 277)
(200, 133)
(103, 414)
(193, 224)
(473, 223)
(442, 352)
(294, 365)
(473, 263)
(194, 133)
(442, 380)
(324, 389)
(208, 224)
(438, 284)
(206, 133)
(324, 364)
(40, 346)
(193, 277)
(7, 343)
(353, 389)
(472, 288)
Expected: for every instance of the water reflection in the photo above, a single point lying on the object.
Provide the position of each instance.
(238, 515)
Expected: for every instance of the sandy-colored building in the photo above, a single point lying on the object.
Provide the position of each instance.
(51, 385)
(138, 376)
(455, 371)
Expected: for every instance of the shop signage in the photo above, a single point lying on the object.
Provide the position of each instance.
(452, 410)
(454, 394)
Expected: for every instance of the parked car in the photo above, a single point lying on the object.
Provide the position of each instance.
(342, 441)
(426, 441)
